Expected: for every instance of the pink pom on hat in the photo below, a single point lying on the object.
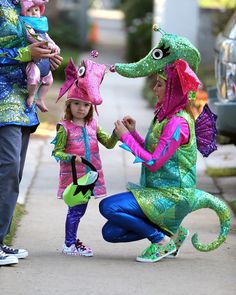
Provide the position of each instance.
(83, 83)
(26, 4)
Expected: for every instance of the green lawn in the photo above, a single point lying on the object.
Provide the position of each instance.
(229, 4)
(221, 172)
(19, 211)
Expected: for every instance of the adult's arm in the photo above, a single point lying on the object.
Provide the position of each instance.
(14, 55)
(24, 54)
(175, 133)
(138, 137)
(130, 123)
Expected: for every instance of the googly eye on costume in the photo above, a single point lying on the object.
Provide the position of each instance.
(81, 71)
(157, 53)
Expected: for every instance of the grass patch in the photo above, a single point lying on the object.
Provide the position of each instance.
(19, 211)
(217, 4)
(221, 172)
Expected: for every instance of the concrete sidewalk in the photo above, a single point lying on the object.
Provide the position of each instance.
(113, 269)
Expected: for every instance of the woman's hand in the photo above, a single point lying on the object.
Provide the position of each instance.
(120, 129)
(129, 123)
(55, 61)
(78, 160)
(40, 50)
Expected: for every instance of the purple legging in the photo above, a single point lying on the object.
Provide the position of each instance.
(126, 221)
(73, 217)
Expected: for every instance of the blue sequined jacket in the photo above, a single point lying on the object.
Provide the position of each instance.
(14, 55)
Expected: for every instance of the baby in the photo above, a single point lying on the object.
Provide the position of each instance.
(39, 75)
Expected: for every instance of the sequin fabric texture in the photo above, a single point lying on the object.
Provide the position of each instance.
(13, 90)
(170, 48)
(169, 194)
(172, 186)
(76, 140)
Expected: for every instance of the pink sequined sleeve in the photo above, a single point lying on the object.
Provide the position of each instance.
(175, 133)
(138, 138)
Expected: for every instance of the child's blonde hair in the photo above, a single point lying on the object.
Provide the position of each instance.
(68, 115)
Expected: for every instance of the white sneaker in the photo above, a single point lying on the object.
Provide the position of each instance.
(19, 253)
(77, 250)
(7, 259)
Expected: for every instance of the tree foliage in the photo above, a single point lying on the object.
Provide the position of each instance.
(138, 22)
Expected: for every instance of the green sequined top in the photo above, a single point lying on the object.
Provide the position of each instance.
(14, 53)
(107, 140)
(166, 195)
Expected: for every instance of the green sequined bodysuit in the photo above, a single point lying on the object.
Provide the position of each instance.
(167, 195)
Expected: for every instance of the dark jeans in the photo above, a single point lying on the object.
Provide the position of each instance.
(13, 147)
(126, 221)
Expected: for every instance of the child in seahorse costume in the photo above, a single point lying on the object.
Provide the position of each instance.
(167, 192)
(78, 135)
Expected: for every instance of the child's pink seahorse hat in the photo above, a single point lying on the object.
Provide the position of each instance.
(83, 83)
(26, 4)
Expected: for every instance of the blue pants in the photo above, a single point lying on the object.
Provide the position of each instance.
(14, 142)
(73, 217)
(126, 221)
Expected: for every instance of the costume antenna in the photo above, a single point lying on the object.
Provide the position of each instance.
(157, 28)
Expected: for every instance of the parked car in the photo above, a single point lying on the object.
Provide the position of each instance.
(223, 99)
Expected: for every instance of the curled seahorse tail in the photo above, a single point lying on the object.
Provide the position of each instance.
(206, 200)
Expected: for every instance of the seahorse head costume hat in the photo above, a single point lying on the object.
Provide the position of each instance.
(83, 82)
(176, 60)
(168, 50)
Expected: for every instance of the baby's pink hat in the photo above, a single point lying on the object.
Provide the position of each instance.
(26, 4)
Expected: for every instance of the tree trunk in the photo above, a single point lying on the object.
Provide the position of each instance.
(52, 11)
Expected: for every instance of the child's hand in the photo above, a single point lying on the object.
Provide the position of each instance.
(129, 123)
(78, 160)
(120, 129)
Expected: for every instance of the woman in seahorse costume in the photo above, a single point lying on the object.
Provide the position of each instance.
(167, 191)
